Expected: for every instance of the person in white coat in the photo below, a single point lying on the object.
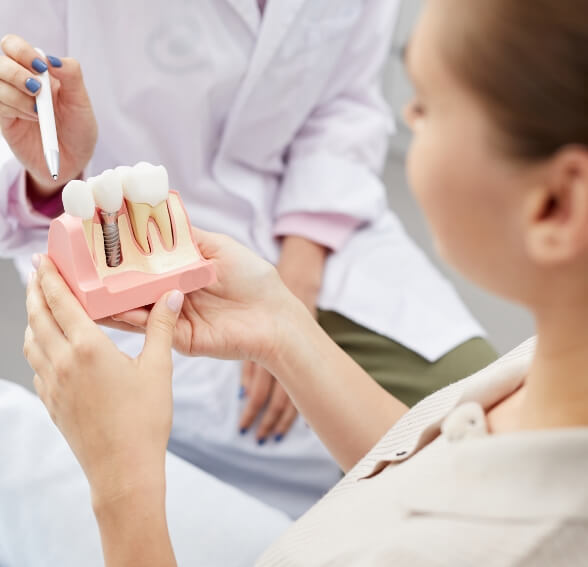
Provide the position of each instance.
(271, 123)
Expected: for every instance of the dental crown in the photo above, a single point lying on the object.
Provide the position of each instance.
(78, 200)
(145, 183)
(108, 193)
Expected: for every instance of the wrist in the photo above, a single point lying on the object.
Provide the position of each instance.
(115, 483)
(111, 497)
(301, 266)
(294, 332)
(41, 189)
(133, 528)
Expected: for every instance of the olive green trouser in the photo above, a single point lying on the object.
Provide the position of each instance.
(405, 374)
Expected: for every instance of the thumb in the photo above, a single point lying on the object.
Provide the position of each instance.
(159, 335)
(69, 73)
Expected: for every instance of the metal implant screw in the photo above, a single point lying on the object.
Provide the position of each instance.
(111, 238)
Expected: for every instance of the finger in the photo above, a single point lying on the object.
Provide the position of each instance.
(16, 48)
(69, 73)
(48, 334)
(9, 114)
(279, 402)
(20, 78)
(285, 422)
(246, 376)
(120, 325)
(136, 318)
(159, 336)
(36, 357)
(257, 396)
(209, 243)
(65, 308)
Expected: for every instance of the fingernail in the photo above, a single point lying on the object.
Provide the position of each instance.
(36, 261)
(243, 430)
(31, 277)
(279, 437)
(261, 441)
(175, 300)
(33, 85)
(35, 108)
(55, 61)
(242, 392)
(39, 65)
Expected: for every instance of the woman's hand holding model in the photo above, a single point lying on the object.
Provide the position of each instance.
(238, 317)
(101, 399)
(116, 412)
(73, 113)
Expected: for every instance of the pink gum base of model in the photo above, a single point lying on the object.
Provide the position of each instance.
(126, 289)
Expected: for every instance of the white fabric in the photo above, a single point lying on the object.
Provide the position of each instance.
(253, 119)
(46, 518)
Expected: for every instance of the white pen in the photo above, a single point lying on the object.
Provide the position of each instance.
(47, 122)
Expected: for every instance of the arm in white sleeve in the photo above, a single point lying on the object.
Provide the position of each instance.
(22, 229)
(335, 161)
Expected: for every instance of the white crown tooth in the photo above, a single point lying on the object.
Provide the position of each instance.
(123, 171)
(146, 183)
(146, 188)
(108, 191)
(161, 179)
(78, 200)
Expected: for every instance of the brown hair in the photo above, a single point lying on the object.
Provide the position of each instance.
(528, 60)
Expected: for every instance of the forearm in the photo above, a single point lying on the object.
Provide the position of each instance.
(301, 266)
(133, 528)
(348, 410)
(37, 189)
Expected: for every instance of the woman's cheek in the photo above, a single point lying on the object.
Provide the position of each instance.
(429, 175)
(420, 171)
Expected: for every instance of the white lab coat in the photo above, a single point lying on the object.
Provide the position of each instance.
(254, 119)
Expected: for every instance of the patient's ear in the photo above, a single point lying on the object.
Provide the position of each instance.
(556, 211)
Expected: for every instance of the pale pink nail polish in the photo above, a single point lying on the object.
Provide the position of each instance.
(175, 300)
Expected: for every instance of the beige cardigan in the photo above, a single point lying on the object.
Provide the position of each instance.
(424, 499)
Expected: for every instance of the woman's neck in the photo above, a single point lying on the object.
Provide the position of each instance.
(555, 392)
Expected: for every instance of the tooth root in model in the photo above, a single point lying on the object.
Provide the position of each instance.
(146, 190)
(108, 194)
(78, 201)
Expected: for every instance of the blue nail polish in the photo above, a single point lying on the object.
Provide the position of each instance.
(55, 61)
(261, 441)
(279, 437)
(35, 108)
(242, 392)
(33, 85)
(243, 430)
(39, 66)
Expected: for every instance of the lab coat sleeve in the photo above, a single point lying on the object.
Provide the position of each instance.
(23, 230)
(328, 230)
(334, 163)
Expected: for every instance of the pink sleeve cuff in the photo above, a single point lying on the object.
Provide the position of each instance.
(31, 214)
(34, 212)
(328, 229)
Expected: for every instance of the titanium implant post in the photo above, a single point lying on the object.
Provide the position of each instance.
(111, 238)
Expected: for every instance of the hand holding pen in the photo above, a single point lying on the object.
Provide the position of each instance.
(24, 74)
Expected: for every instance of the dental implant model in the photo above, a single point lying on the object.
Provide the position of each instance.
(118, 254)
(108, 194)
